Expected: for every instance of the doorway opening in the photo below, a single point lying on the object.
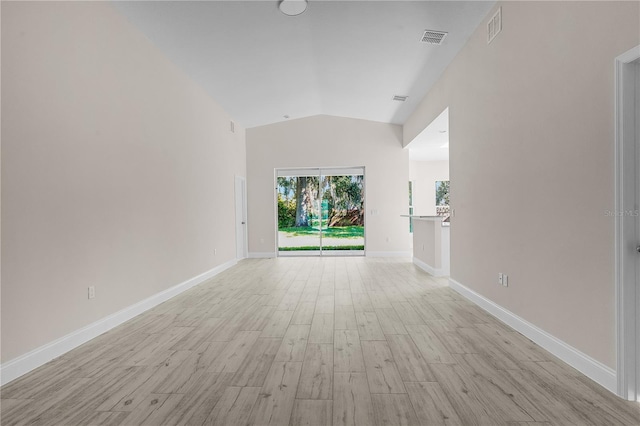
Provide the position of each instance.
(429, 206)
(320, 211)
(627, 223)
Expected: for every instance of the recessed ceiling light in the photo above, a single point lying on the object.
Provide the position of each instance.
(292, 7)
(400, 98)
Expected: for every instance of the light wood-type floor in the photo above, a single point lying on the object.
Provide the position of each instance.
(310, 341)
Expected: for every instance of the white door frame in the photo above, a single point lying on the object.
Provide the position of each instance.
(626, 222)
(241, 217)
(318, 171)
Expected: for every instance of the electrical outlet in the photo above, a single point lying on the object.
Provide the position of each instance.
(505, 280)
(500, 278)
(92, 292)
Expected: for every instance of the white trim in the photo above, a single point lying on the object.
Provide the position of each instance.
(428, 268)
(276, 232)
(299, 253)
(17, 367)
(629, 56)
(318, 253)
(369, 253)
(343, 253)
(261, 254)
(627, 342)
(588, 366)
(325, 171)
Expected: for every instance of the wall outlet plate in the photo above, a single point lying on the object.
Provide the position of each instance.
(91, 292)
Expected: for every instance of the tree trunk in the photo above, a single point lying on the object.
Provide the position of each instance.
(302, 216)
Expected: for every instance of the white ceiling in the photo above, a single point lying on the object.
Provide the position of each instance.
(343, 58)
(432, 144)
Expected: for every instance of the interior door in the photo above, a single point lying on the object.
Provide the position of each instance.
(627, 222)
(241, 217)
(636, 67)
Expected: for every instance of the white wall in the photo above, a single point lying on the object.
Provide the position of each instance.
(117, 171)
(424, 175)
(325, 141)
(531, 164)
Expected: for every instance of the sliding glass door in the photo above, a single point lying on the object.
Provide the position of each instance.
(320, 211)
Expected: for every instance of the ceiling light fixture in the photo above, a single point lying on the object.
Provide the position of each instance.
(292, 7)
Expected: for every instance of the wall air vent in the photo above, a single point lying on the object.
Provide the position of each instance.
(400, 98)
(494, 26)
(433, 37)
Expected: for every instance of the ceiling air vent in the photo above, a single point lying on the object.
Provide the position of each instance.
(433, 37)
(494, 26)
(400, 98)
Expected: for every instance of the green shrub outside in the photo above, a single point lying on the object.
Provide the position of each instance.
(286, 213)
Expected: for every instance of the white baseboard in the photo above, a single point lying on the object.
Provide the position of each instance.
(588, 366)
(428, 268)
(261, 255)
(17, 367)
(388, 253)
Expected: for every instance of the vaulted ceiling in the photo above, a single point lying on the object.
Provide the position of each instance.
(343, 58)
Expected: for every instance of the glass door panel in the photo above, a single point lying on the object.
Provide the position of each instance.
(298, 214)
(342, 212)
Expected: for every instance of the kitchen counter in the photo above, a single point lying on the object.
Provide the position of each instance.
(431, 243)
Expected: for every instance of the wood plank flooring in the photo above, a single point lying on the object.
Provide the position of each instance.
(311, 341)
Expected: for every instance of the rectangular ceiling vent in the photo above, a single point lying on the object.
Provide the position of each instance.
(433, 37)
(494, 26)
(400, 98)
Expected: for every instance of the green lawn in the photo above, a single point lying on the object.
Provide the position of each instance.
(324, 248)
(333, 232)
